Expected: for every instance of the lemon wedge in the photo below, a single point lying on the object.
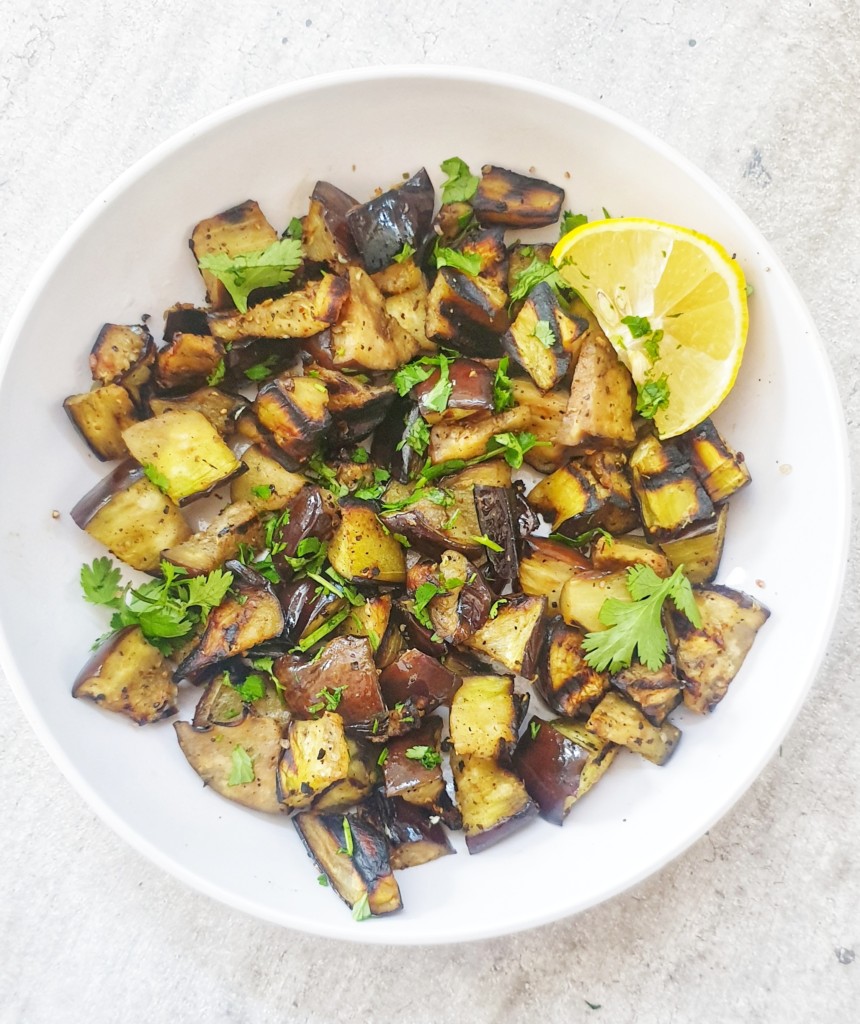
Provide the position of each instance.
(673, 304)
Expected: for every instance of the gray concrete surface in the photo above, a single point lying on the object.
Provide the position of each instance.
(758, 921)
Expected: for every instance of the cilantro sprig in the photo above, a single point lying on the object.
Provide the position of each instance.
(428, 757)
(538, 270)
(461, 184)
(636, 627)
(503, 388)
(166, 609)
(248, 271)
(466, 262)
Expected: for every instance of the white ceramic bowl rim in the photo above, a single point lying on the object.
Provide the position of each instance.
(839, 495)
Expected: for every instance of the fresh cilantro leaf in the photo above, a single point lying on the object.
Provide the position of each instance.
(537, 271)
(544, 333)
(485, 541)
(262, 491)
(329, 626)
(467, 263)
(156, 477)
(328, 700)
(265, 268)
(449, 523)
(322, 880)
(360, 456)
(496, 605)
(513, 447)
(324, 475)
(424, 594)
(405, 253)
(569, 221)
(374, 491)
(309, 557)
(436, 399)
(294, 229)
(592, 1006)
(426, 755)
(361, 908)
(207, 592)
(260, 370)
(534, 727)
(460, 184)
(348, 847)
(217, 375)
(503, 389)
(417, 436)
(651, 344)
(652, 397)
(639, 326)
(636, 626)
(100, 582)
(582, 540)
(252, 688)
(373, 640)
(606, 214)
(241, 767)
(411, 374)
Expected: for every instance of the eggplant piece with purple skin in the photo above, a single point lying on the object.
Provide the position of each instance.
(188, 361)
(365, 878)
(492, 799)
(488, 244)
(463, 606)
(295, 411)
(655, 691)
(184, 318)
(412, 768)
(467, 313)
(212, 753)
(100, 416)
(559, 762)
(390, 447)
(309, 515)
(565, 679)
(401, 216)
(306, 607)
(234, 526)
(124, 354)
(617, 720)
(515, 200)
(418, 677)
(415, 836)
(221, 408)
(362, 550)
(342, 677)
(248, 616)
(131, 517)
(326, 237)
(129, 676)
(471, 391)
(484, 718)
(513, 638)
(356, 408)
(416, 634)
(543, 337)
(495, 509)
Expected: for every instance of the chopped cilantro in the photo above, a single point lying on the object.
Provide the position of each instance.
(513, 447)
(324, 475)
(263, 491)
(534, 727)
(582, 540)
(638, 326)
(217, 375)
(252, 687)
(348, 847)
(322, 880)
(294, 229)
(428, 757)
(537, 271)
(265, 268)
(652, 396)
(259, 371)
(360, 456)
(503, 390)
(361, 908)
(467, 263)
(485, 541)
(460, 184)
(606, 214)
(383, 757)
(411, 374)
(544, 333)
(569, 221)
(100, 581)
(405, 253)
(328, 700)
(496, 605)
(241, 767)
(636, 626)
(322, 631)
(417, 436)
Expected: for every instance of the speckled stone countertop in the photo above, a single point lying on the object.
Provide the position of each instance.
(759, 920)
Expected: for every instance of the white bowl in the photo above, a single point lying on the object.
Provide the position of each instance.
(127, 255)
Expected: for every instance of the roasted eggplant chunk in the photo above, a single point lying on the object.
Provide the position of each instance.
(363, 878)
(300, 314)
(559, 762)
(307, 607)
(546, 413)
(326, 237)
(357, 408)
(188, 361)
(471, 391)
(220, 703)
(484, 718)
(402, 216)
(362, 550)
(468, 312)
(709, 658)
(100, 416)
(566, 681)
(616, 720)
(467, 439)
(722, 471)
(414, 835)
(463, 605)
(412, 768)
(656, 691)
(238, 761)
(516, 200)
(543, 338)
(670, 497)
(311, 513)
(238, 230)
(314, 761)
(219, 407)
(267, 486)
(583, 595)
(124, 354)
(370, 620)
(128, 675)
(419, 678)
(391, 448)
(699, 549)
(248, 616)
(492, 799)
(610, 553)
(184, 451)
(365, 337)
(131, 517)
(513, 638)
(601, 405)
(496, 511)
(234, 526)
(488, 244)
(341, 677)
(295, 412)
(546, 566)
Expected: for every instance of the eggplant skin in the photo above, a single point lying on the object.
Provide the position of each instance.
(515, 200)
(384, 224)
(418, 677)
(495, 510)
(414, 835)
(493, 801)
(129, 676)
